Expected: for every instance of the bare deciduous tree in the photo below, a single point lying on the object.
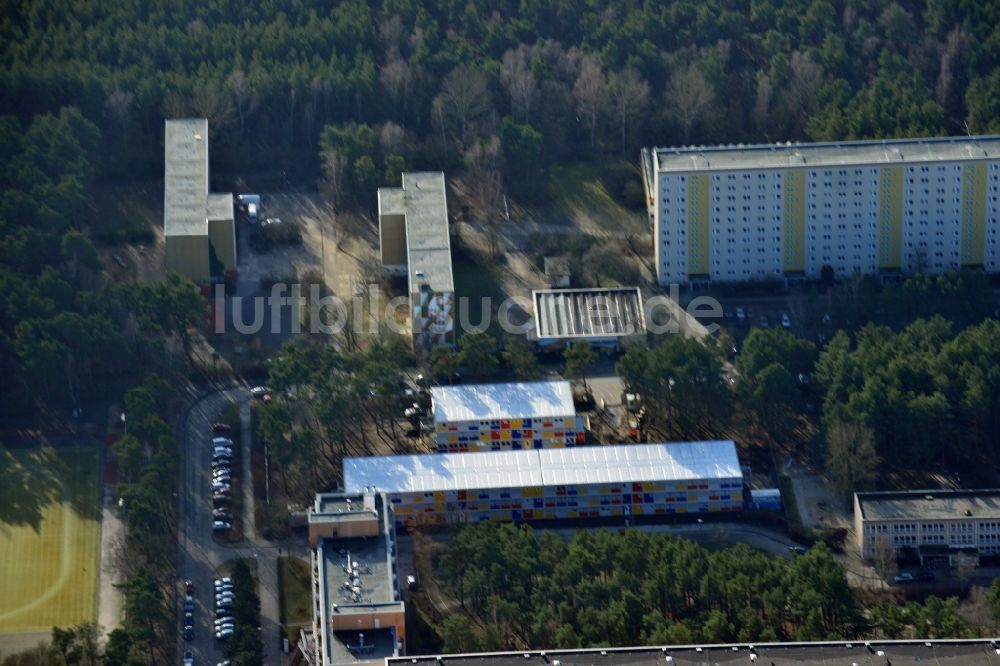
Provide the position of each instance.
(395, 78)
(335, 166)
(629, 95)
(464, 101)
(590, 92)
(118, 106)
(483, 162)
(392, 139)
(243, 95)
(519, 80)
(392, 33)
(952, 56)
(689, 97)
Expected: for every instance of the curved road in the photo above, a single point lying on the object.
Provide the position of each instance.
(200, 554)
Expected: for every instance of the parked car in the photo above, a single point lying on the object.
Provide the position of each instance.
(226, 619)
(221, 525)
(189, 586)
(261, 393)
(224, 634)
(925, 576)
(219, 428)
(222, 454)
(798, 550)
(223, 477)
(219, 499)
(223, 612)
(225, 580)
(189, 658)
(218, 487)
(904, 577)
(222, 441)
(188, 618)
(786, 323)
(741, 316)
(189, 604)
(189, 633)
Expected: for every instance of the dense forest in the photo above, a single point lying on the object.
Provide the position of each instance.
(519, 588)
(435, 80)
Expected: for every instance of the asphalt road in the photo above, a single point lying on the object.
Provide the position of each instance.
(201, 555)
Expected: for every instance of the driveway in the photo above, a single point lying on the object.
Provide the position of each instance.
(201, 556)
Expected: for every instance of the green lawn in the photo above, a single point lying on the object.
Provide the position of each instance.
(49, 537)
(295, 597)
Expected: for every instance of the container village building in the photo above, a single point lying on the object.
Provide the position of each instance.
(358, 612)
(505, 416)
(786, 211)
(198, 227)
(933, 524)
(553, 484)
(608, 318)
(414, 243)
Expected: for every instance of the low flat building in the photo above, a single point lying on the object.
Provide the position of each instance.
(358, 613)
(198, 226)
(495, 417)
(609, 318)
(553, 484)
(930, 522)
(963, 652)
(414, 243)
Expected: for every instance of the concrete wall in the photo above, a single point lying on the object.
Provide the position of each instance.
(188, 256)
(343, 529)
(392, 240)
(223, 236)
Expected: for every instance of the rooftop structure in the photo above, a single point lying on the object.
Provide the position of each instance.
(932, 523)
(930, 505)
(198, 226)
(515, 400)
(971, 652)
(819, 155)
(414, 242)
(599, 316)
(358, 611)
(681, 461)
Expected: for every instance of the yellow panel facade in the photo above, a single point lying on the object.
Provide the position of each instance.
(973, 246)
(890, 218)
(698, 215)
(794, 222)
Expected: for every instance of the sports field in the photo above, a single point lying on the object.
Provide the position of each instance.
(49, 537)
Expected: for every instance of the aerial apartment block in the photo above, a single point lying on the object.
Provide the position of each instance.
(932, 523)
(786, 211)
(414, 243)
(197, 224)
(506, 416)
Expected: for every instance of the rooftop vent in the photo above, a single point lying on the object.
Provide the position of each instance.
(929, 497)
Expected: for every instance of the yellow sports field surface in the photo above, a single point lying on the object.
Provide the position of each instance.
(49, 537)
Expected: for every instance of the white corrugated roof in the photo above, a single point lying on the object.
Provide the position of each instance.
(443, 471)
(653, 462)
(677, 461)
(483, 402)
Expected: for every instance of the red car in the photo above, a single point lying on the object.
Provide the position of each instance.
(189, 586)
(221, 427)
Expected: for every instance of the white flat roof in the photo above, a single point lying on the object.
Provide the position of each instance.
(423, 202)
(185, 177)
(819, 155)
(677, 461)
(518, 400)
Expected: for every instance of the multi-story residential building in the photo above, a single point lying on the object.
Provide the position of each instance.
(197, 225)
(358, 612)
(930, 522)
(494, 417)
(553, 484)
(773, 212)
(414, 243)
